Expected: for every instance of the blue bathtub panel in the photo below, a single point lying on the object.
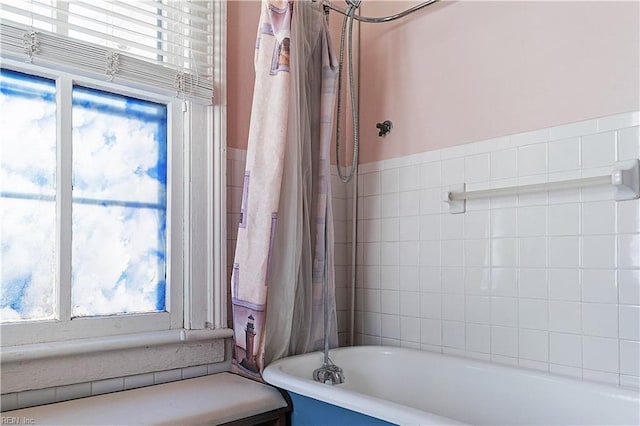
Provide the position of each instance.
(311, 412)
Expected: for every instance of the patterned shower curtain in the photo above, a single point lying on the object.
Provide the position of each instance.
(284, 249)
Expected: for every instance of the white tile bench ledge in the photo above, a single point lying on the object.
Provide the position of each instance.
(31, 352)
(214, 399)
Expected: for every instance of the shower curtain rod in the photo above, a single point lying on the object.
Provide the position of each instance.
(328, 4)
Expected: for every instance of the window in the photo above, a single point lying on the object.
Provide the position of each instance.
(118, 216)
(85, 185)
(119, 169)
(108, 177)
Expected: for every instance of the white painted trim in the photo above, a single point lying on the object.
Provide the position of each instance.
(102, 344)
(186, 215)
(64, 142)
(175, 302)
(217, 177)
(32, 332)
(199, 234)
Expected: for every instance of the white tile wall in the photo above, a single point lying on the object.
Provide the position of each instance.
(549, 281)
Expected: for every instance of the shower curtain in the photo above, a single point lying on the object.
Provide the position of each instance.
(284, 249)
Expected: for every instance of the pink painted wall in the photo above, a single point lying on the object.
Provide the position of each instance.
(242, 26)
(459, 72)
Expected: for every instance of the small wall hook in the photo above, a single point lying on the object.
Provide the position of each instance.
(385, 128)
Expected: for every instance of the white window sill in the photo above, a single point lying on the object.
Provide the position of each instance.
(32, 352)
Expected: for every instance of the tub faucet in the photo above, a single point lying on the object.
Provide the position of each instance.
(329, 374)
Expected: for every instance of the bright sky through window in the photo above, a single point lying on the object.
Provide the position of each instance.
(118, 213)
(119, 204)
(27, 196)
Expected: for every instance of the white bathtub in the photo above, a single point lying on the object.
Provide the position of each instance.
(405, 386)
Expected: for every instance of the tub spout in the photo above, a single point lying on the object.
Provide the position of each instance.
(329, 374)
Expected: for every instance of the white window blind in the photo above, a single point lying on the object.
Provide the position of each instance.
(166, 44)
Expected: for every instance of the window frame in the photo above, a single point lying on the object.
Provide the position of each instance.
(64, 327)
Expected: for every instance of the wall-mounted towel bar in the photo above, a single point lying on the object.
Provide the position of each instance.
(625, 179)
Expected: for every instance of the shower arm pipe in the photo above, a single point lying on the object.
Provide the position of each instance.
(377, 20)
(354, 257)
